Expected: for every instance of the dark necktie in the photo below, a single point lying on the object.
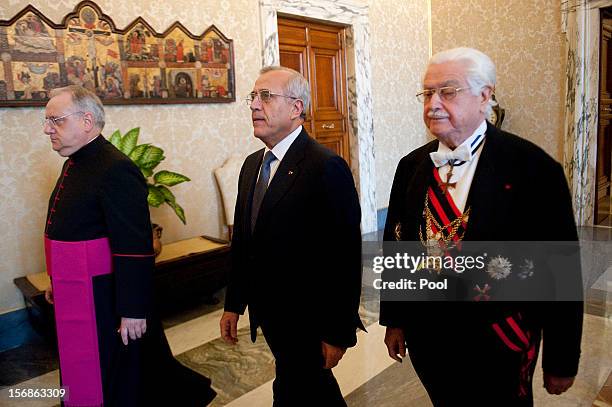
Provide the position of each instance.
(261, 187)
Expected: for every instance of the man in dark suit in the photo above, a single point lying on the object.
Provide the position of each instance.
(296, 248)
(478, 183)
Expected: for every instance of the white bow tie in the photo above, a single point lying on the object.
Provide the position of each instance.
(461, 153)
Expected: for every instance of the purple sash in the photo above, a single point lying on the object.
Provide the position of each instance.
(72, 266)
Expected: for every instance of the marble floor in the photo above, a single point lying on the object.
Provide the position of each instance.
(242, 374)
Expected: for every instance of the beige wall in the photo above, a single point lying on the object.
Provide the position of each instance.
(523, 37)
(400, 49)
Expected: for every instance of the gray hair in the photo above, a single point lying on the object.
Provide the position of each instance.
(480, 69)
(85, 100)
(297, 86)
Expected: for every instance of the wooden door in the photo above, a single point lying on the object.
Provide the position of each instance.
(317, 51)
(604, 131)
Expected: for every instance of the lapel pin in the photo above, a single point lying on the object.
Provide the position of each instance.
(290, 172)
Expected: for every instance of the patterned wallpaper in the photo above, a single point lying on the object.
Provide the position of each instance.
(523, 37)
(399, 55)
(196, 138)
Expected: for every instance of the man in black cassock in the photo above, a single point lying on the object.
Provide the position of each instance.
(478, 183)
(99, 251)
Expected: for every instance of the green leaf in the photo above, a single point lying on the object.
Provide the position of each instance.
(169, 178)
(129, 141)
(115, 139)
(151, 157)
(168, 195)
(155, 197)
(147, 172)
(137, 152)
(178, 210)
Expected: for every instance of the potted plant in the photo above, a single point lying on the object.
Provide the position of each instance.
(147, 157)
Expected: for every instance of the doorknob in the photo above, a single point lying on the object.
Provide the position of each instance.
(328, 125)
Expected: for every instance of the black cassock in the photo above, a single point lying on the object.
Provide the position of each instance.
(100, 201)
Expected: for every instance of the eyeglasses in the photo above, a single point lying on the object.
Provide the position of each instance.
(57, 121)
(446, 93)
(264, 95)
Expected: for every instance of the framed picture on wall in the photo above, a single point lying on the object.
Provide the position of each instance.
(135, 65)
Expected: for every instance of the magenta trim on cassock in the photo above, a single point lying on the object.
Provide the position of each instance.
(71, 266)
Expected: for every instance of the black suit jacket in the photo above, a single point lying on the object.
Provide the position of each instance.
(302, 263)
(519, 193)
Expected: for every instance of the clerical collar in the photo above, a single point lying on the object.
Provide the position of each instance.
(89, 149)
(282, 147)
(471, 144)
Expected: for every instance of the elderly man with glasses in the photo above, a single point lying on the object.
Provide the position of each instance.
(296, 248)
(99, 251)
(478, 183)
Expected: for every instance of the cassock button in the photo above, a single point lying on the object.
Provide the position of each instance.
(508, 186)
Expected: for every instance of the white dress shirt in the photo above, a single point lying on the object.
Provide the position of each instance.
(280, 150)
(463, 174)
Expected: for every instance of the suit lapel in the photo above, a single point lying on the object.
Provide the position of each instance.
(485, 195)
(285, 176)
(415, 196)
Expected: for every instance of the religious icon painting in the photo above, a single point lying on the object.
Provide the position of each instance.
(145, 83)
(30, 36)
(3, 94)
(214, 81)
(137, 83)
(156, 86)
(123, 66)
(32, 59)
(140, 44)
(32, 80)
(181, 83)
(178, 47)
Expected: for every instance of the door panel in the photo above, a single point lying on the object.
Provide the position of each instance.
(293, 57)
(333, 142)
(324, 39)
(291, 35)
(317, 51)
(325, 74)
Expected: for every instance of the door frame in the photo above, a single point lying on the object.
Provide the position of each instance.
(580, 21)
(358, 76)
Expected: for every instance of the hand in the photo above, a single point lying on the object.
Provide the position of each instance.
(49, 294)
(229, 327)
(396, 343)
(133, 327)
(331, 354)
(556, 384)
